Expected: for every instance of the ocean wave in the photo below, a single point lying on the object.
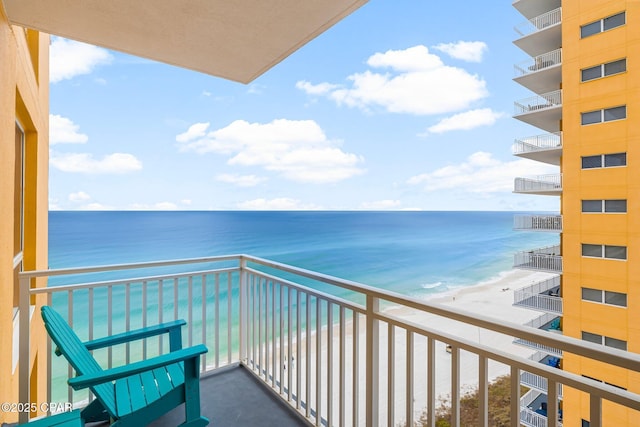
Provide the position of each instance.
(432, 285)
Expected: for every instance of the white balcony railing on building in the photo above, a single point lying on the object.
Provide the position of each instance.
(539, 102)
(538, 63)
(543, 296)
(541, 183)
(543, 259)
(539, 22)
(546, 141)
(538, 382)
(538, 222)
(530, 418)
(318, 341)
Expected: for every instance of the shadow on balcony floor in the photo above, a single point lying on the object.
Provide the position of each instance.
(234, 397)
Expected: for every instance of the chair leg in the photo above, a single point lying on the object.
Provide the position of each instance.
(192, 394)
(94, 412)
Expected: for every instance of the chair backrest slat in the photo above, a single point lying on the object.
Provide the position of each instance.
(72, 348)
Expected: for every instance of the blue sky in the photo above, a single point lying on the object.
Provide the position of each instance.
(403, 105)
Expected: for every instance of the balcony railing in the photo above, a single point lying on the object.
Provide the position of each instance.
(543, 259)
(538, 222)
(537, 103)
(537, 382)
(538, 63)
(319, 342)
(543, 296)
(530, 418)
(551, 184)
(539, 22)
(547, 141)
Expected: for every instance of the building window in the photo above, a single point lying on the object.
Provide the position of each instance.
(604, 70)
(604, 115)
(603, 340)
(604, 297)
(606, 206)
(601, 25)
(604, 251)
(604, 161)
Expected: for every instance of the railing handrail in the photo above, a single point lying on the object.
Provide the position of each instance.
(540, 22)
(546, 141)
(539, 62)
(539, 102)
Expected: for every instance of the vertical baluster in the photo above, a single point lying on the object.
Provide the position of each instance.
(329, 363)
(70, 321)
(343, 357)
(283, 361)
(318, 362)
(298, 350)
(190, 309)
(308, 361)
(254, 312)
(203, 358)
(595, 411)
(216, 329)
(144, 317)
(515, 397)
(552, 403)
(109, 323)
(229, 318)
(391, 366)
(373, 365)
(455, 386)
(274, 365)
(289, 344)
(49, 363)
(260, 365)
(483, 390)
(160, 311)
(176, 299)
(90, 322)
(356, 369)
(431, 382)
(410, 377)
(127, 316)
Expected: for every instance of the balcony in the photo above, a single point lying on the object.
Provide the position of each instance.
(327, 349)
(552, 223)
(548, 322)
(542, 73)
(545, 148)
(544, 185)
(540, 34)
(537, 382)
(542, 111)
(532, 8)
(542, 296)
(547, 259)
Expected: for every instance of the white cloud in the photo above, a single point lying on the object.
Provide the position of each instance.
(468, 120)
(418, 83)
(116, 163)
(278, 204)
(240, 180)
(69, 58)
(63, 131)
(80, 196)
(381, 205)
(186, 202)
(466, 51)
(160, 206)
(480, 173)
(297, 149)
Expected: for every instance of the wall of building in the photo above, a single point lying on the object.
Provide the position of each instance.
(24, 96)
(595, 184)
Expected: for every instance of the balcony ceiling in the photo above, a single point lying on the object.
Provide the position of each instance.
(542, 81)
(532, 8)
(541, 41)
(238, 40)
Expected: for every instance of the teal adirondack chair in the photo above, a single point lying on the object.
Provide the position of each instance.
(138, 393)
(65, 419)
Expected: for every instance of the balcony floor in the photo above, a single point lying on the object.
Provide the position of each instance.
(234, 397)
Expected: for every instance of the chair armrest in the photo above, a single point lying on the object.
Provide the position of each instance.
(89, 380)
(137, 334)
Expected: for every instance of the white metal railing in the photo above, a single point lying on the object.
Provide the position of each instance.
(540, 22)
(541, 320)
(530, 418)
(544, 259)
(318, 341)
(546, 141)
(537, 382)
(539, 102)
(538, 222)
(538, 63)
(551, 182)
(543, 295)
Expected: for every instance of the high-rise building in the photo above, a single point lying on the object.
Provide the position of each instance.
(584, 73)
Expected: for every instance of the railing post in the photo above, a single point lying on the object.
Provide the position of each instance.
(372, 366)
(24, 359)
(242, 310)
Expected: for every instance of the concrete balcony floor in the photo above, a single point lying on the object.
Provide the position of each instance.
(233, 397)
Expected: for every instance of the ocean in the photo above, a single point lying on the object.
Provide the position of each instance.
(414, 253)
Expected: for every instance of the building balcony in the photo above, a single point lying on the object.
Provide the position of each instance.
(540, 34)
(548, 322)
(545, 185)
(545, 148)
(535, 413)
(542, 296)
(326, 349)
(542, 111)
(542, 73)
(538, 382)
(532, 8)
(547, 259)
(552, 223)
